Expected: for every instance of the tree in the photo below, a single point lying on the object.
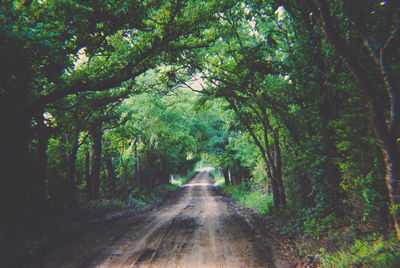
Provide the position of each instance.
(366, 43)
(242, 76)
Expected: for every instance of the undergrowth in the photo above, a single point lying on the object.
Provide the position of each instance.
(218, 179)
(141, 197)
(256, 199)
(373, 251)
(248, 196)
(370, 251)
(182, 180)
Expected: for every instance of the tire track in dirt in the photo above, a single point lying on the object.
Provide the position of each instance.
(144, 246)
(196, 230)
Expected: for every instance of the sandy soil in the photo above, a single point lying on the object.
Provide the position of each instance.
(196, 229)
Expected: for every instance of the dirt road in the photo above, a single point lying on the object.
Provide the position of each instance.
(197, 229)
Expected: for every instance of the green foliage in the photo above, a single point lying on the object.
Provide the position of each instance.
(139, 198)
(318, 226)
(106, 203)
(374, 251)
(218, 179)
(257, 200)
(179, 181)
(143, 197)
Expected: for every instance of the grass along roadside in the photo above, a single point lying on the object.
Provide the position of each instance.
(247, 196)
(368, 251)
(179, 181)
(141, 197)
(256, 200)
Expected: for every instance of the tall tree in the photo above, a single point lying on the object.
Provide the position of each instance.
(365, 36)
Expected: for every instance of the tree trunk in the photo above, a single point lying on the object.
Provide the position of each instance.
(164, 178)
(110, 170)
(225, 171)
(386, 133)
(234, 177)
(95, 160)
(23, 167)
(328, 106)
(273, 161)
(136, 155)
(274, 187)
(392, 163)
(268, 185)
(87, 173)
(37, 173)
(78, 176)
(71, 169)
(236, 174)
(278, 168)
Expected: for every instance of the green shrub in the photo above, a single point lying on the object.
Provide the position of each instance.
(257, 200)
(138, 197)
(169, 187)
(218, 179)
(371, 252)
(142, 197)
(317, 226)
(182, 180)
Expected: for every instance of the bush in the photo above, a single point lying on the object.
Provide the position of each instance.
(182, 180)
(257, 200)
(218, 179)
(370, 252)
(141, 197)
(319, 226)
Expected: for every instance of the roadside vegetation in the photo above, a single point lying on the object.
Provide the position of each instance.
(296, 103)
(250, 195)
(374, 251)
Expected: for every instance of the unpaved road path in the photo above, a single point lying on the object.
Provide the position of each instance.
(197, 229)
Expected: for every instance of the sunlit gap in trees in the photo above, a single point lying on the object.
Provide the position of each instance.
(81, 58)
(205, 168)
(280, 11)
(196, 83)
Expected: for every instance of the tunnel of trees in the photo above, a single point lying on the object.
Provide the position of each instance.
(299, 96)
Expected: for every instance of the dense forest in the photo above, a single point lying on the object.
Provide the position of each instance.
(297, 99)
